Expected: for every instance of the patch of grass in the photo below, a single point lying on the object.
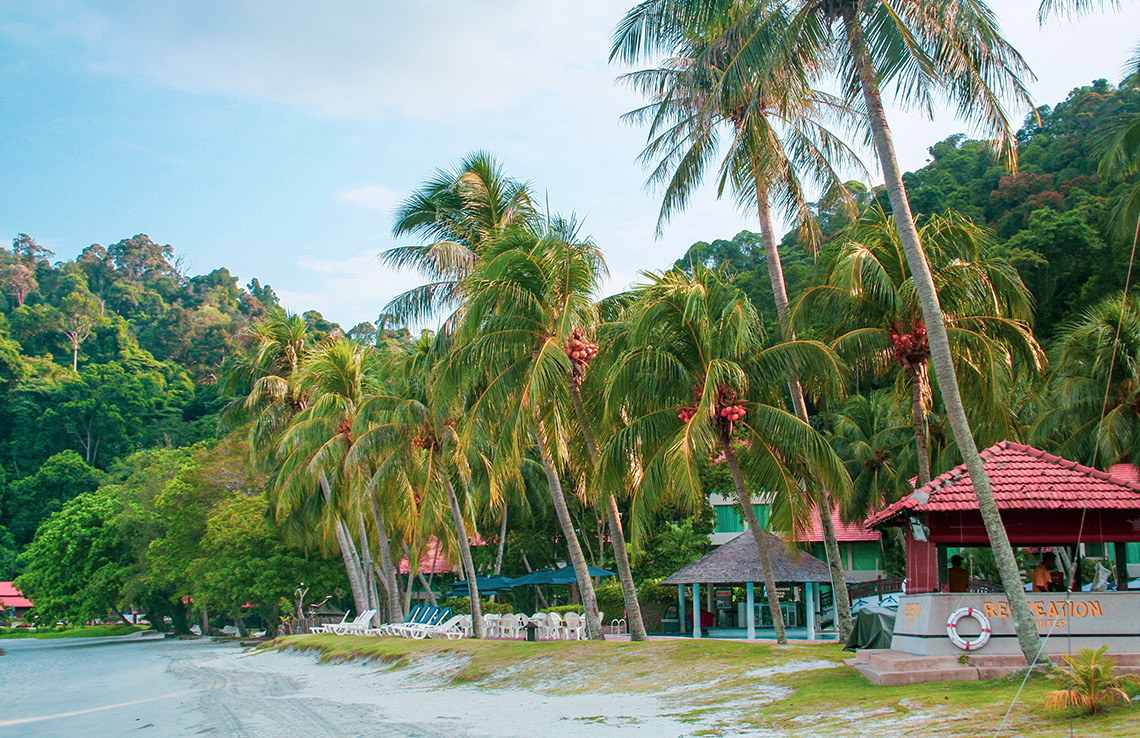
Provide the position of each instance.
(73, 631)
(712, 684)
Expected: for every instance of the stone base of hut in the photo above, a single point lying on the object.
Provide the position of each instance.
(887, 667)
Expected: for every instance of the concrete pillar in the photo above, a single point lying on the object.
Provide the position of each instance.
(750, 610)
(696, 610)
(809, 608)
(680, 608)
(818, 604)
(1120, 555)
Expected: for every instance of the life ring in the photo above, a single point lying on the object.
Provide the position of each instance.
(952, 628)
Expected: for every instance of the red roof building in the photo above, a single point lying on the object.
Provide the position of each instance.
(844, 532)
(13, 600)
(1044, 500)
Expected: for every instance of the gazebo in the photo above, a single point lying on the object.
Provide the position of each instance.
(1044, 501)
(737, 563)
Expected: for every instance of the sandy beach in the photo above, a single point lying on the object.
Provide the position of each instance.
(199, 688)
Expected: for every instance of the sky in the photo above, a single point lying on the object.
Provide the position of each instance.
(275, 138)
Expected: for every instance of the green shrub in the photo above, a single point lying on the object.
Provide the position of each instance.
(610, 599)
(462, 606)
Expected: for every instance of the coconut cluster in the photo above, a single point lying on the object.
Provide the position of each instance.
(911, 346)
(580, 351)
(733, 413)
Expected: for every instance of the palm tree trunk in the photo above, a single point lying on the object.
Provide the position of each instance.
(918, 379)
(366, 569)
(502, 541)
(745, 501)
(468, 563)
(823, 503)
(617, 535)
(348, 552)
(413, 567)
(387, 569)
(1023, 621)
(577, 559)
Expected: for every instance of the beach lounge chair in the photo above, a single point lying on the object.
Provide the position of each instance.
(356, 627)
(419, 630)
(327, 627)
(452, 630)
(430, 615)
(386, 628)
(419, 615)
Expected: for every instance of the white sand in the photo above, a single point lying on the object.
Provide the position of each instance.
(262, 693)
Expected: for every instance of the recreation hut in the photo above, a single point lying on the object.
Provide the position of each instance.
(1045, 502)
(799, 577)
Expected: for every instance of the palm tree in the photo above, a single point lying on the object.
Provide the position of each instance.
(409, 428)
(926, 48)
(338, 377)
(773, 116)
(268, 392)
(869, 435)
(696, 356)
(528, 298)
(870, 308)
(1094, 413)
(453, 213)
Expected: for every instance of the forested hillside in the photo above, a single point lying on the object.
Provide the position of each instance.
(1052, 218)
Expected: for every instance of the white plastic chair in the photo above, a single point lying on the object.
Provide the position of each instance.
(510, 626)
(553, 630)
(574, 627)
(491, 625)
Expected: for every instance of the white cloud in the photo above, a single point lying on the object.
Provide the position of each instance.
(442, 60)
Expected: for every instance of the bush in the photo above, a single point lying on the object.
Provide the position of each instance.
(462, 606)
(611, 601)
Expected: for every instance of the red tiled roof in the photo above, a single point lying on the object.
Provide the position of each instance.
(12, 597)
(1023, 478)
(844, 532)
(433, 560)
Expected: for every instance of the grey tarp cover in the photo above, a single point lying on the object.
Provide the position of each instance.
(874, 627)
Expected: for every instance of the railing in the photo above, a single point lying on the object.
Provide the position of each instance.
(617, 626)
(876, 588)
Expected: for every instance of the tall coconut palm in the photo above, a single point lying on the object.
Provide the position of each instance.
(528, 296)
(338, 377)
(777, 140)
(409, 428)
(926, 49)
(869, 305)
(696, 381)
(269, 396)
(453, 213)
(1096, 372)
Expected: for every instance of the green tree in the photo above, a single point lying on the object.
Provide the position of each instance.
(29, 501)
(76, 567)
(453, 213)
(777, 139)
(1093, 410)
(696, 354)
(527, 296)
(870, 308)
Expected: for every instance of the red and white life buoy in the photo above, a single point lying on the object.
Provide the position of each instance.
(952, 629)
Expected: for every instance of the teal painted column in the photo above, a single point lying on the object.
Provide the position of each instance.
(680, 609)
(750, 610)
(809, 607)
(696, 610)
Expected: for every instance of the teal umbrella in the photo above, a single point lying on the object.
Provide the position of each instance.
(566, 574)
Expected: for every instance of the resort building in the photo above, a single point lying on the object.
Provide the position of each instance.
(860, 548)
(13, 603)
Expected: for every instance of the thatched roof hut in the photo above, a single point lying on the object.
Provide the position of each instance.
(738, 561)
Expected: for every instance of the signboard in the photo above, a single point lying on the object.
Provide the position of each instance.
(723, 599)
